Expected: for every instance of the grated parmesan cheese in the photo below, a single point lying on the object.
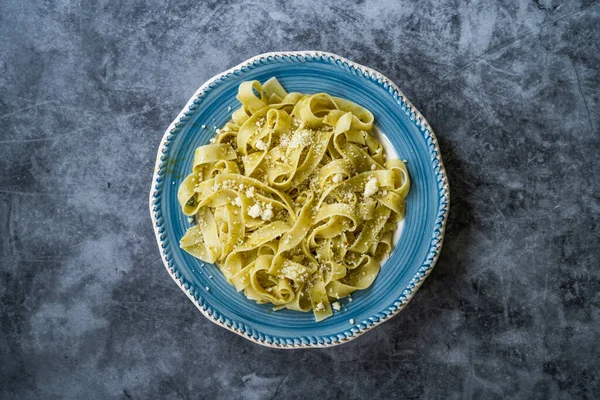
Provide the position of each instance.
(371, 187)
(267, 214)
(336, 306)
(337, 178)
(260, 145)
(302, 138)
(319, 307)
(255, 211)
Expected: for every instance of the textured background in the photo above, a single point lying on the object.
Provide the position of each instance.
(512, 308)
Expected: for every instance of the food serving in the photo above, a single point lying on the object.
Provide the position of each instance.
(294, 199)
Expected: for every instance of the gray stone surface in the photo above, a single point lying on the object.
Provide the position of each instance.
(511, 310)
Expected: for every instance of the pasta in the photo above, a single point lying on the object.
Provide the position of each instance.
(294, 199)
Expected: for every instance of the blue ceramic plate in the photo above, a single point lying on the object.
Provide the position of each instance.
(427, 204)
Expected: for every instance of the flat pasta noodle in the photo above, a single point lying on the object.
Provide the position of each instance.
(294, 199)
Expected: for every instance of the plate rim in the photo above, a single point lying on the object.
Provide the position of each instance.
(439, 228)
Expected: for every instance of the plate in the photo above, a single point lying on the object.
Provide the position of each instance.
(401, 275)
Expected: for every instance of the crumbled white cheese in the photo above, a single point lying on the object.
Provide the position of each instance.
(250, 192)
(337, 178)
(267, 213)
(238, 201)
(229, 108)
(204, 126)
(352, 320)
(213, 140)
(336, 306)
(319, 307)
(373, 167)
(260, 145)
(371, 187)
(350, 299)
(255, 211)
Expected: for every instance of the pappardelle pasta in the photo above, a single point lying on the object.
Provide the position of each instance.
(294, 199)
